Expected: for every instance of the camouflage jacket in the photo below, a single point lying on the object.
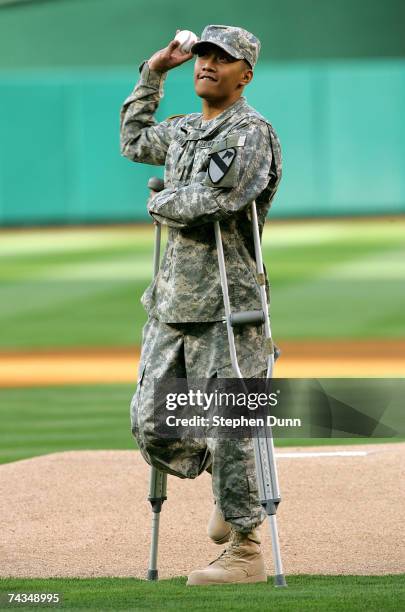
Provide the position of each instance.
(211, 173)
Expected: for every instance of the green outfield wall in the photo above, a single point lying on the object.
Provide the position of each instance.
(331, 79)
(340, 124)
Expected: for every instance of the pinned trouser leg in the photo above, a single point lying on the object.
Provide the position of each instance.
(200, 350)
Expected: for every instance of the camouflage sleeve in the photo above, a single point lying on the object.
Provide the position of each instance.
(202, 202)
(142, 138)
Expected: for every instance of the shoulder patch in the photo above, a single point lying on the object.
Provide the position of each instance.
(174, 117)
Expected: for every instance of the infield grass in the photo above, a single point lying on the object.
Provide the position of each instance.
(40, 420)
(304, 593)
(81, 287)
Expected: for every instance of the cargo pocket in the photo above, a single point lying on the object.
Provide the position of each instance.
(252, 365)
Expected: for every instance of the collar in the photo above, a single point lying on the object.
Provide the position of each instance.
(196, 132)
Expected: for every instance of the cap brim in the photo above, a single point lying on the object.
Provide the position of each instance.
(198, 45)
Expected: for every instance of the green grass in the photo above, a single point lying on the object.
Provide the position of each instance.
(40, 420)
(304, 593)
(332, 279)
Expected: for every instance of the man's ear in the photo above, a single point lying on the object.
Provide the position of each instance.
(247, 76)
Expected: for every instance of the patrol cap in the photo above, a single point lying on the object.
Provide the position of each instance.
(238, 42)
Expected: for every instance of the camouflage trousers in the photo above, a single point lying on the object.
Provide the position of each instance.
(200, 350)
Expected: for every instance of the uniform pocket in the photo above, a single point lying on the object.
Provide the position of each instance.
(165, 266)
(241, 267)
(251, 365)
(224, 162)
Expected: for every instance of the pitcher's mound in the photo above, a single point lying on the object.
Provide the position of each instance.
(86, 514)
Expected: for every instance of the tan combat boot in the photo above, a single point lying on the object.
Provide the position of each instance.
(218, 529)
(241, 562)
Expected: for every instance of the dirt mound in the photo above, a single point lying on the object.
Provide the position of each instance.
(86, 514)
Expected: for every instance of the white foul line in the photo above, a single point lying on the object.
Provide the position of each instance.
(322, 454)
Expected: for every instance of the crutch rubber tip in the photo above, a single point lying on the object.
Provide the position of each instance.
(279, 580)
(152, 574)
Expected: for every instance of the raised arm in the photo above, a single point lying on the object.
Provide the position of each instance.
(142, 138)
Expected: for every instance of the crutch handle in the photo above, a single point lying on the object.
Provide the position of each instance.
(246, 317)
(156, 184)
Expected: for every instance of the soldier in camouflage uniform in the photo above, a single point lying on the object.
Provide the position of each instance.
(216, 163)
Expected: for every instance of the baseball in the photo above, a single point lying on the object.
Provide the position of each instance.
(186, 39)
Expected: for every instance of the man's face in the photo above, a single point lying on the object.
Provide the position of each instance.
(218, 75)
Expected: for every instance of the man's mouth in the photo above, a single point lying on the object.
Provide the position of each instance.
(206, 77)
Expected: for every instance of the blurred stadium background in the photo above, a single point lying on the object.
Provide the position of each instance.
(331, 79)
(76, 241)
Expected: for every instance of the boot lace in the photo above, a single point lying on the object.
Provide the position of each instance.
(227, 552)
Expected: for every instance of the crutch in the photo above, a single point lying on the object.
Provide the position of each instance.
(263, 447)
(158, 479)
(265, 462)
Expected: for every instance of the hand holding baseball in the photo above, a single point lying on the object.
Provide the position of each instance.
(171, 56)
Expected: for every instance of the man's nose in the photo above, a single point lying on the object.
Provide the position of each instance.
(209, 63)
